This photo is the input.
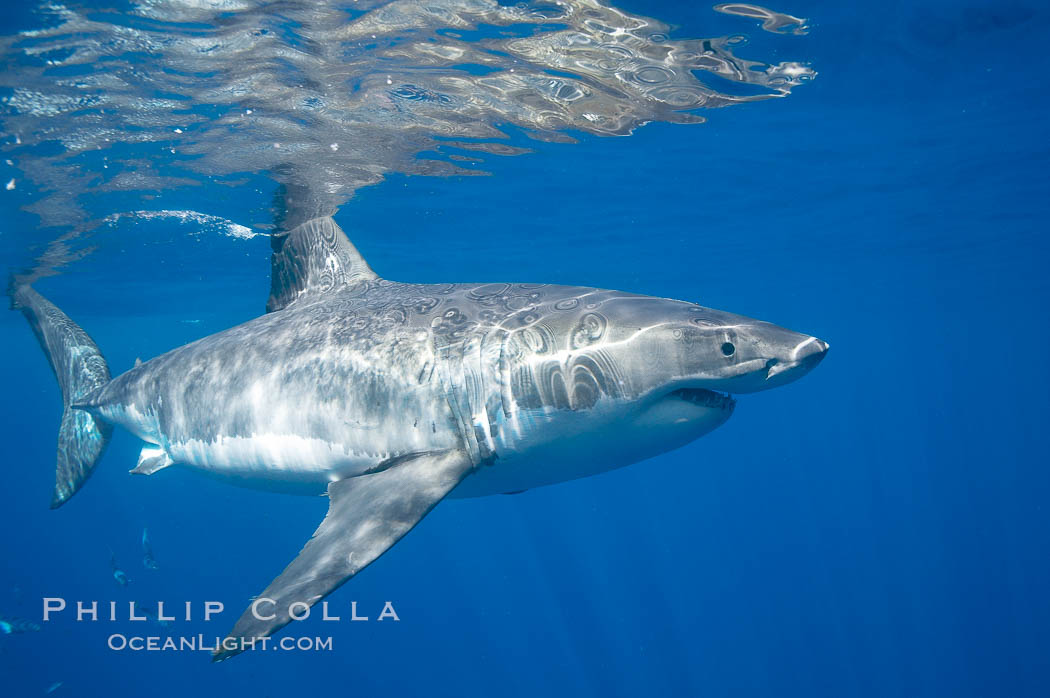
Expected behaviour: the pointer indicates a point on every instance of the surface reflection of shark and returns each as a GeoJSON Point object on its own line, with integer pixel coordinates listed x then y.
{"type": "Point", "coordinates": [351, 92]}
{"type": "Point", "coordinates": [391, 396]}
{"type": "Point", "coordinates": [148, 560]}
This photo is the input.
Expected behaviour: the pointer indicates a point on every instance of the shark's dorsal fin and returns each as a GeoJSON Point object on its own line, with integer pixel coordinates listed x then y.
{"type": "Point", "coordinates": [310, 260]}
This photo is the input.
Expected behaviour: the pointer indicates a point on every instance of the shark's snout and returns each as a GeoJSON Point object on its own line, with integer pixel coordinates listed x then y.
{"type": "Point", "coordinates": [799, 361]}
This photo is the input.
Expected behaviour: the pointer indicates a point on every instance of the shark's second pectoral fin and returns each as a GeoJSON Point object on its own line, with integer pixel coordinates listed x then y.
{"type": "Point", "coordinates": [366, 516]}
{"type": "Point", "coordinates": [152, 459]}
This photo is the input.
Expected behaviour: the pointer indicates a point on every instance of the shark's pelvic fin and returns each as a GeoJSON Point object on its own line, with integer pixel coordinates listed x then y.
{"type": "Point", "coordinates": [366, 516]}
{"type": "Point", "coordinates": [152, 459]}
{"type": "Point", "coordinates": [80, 370]}
{"type": "Point", "coordinates": [310, 260]}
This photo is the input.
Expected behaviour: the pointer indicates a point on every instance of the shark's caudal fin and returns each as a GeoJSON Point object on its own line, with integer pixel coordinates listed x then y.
{"type": "Point", "coordinates": [310, 260]}
{"type": "Point", "coordinates": [366, 515]}
{"type": "Point", "coordinates": [80, 370]}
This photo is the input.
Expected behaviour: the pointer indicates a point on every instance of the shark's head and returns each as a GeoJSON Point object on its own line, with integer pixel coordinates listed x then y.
{"type": "Point", "coordinates": [675, 349]}
{"type": "Point", "coordinates": [652, 374]}
{"type": "Point", "coordinates": [700, 348]}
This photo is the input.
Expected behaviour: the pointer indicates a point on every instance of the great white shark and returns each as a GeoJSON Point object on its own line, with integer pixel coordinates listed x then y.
{"type": "Point", "coordinates": [390, 396]}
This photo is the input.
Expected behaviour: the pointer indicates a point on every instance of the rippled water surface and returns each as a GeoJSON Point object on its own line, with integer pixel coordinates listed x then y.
{"type": "Point", "coordinates": [874, 174]}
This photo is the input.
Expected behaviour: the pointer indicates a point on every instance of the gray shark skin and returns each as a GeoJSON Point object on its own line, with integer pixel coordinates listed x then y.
{"type": "Point", "coordinates": [392, 396]}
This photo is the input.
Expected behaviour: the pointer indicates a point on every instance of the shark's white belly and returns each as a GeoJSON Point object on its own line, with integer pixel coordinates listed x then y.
{"type": "Point", "coordinates": [544, 446]}
{"type": "Point", "coordinates": [276, 457]}
{"type": "Point", "coordinates": [295, 447]}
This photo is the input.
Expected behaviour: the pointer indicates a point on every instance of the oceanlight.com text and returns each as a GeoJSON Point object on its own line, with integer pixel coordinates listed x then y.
{"type": "Point", "coordinates": [199, 643]}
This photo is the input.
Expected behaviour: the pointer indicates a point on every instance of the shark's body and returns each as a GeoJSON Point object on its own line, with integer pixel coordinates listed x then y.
{"type": "Point", "coordinates": [391, 396]}
{"type": "Point", "coordinates": [377, 371]}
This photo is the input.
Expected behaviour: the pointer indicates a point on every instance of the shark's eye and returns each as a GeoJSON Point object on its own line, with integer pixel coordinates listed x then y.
{"type": "Point", "coordinates": [728, 349]}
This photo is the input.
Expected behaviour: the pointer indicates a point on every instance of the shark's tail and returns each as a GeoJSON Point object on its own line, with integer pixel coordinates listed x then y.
{"type": "Point", "coordinates": [80, 370]}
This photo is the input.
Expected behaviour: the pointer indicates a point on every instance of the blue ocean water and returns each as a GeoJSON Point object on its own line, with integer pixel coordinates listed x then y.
{"type": "Point", "coordinates": [878, 528]}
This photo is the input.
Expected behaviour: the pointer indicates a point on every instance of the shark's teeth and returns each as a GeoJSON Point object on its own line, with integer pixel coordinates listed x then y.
{"type": "Point", "coordinates": [706, 398]}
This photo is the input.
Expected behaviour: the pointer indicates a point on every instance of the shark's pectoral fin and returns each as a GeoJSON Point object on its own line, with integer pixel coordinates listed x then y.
{"type": "Point", "coordinates": [366, 516]}
{"type": "Point", "coordinates": [151, 459]}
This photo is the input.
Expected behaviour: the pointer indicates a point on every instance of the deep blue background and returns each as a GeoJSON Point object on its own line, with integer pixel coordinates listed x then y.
{"type": "Point", "coordinates": [880, 528]}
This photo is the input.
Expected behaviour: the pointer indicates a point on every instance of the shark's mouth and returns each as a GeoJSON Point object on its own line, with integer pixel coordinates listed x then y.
{"type": "Point", "coordinates": [705, 398]}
